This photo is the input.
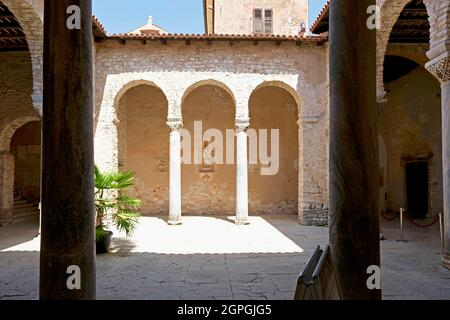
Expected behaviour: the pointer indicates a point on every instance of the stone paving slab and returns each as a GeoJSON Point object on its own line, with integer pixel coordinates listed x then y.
{"type": "Point", "coordinates": [138, 269]}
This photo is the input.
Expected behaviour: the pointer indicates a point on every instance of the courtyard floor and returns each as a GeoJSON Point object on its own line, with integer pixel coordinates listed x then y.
{"type": "Point", "coordinates": [211, 258]}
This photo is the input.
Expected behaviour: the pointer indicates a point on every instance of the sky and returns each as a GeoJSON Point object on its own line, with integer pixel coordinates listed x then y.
{"type": "Point", "coordinates": [175, 16]}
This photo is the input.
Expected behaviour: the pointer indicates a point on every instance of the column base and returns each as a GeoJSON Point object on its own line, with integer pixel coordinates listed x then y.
{"type": "Point", "coordinates": [446, 261]}
{"type": "Point", "coordinates": [243, 222]}
{"type": "Point", "coordinates": [178, 222]}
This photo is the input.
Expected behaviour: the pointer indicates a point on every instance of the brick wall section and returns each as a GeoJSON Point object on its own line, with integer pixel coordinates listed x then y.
{"type": "Point", "coordinates": [16, 85]}
{"type": "Point", "coordinates": [174, 68]}
{"type": "Point", "coordinates": [30, 15]}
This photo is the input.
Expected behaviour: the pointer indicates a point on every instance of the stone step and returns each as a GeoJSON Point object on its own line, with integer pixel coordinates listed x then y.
{"type": "Point", "coordinates": [26, 212]}
{"type": "Point", "coordinates": [19, 201]}
{"type": "Point", "coordinates": [24, 206]}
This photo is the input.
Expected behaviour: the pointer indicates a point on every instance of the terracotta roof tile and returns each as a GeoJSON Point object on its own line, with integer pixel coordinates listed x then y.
{"type": "Point", "coordinates": [217, 37]}
{"type": "Point", "coordinates": [322, 15]}
{"type": "Point", "coordinates": [98, 25]}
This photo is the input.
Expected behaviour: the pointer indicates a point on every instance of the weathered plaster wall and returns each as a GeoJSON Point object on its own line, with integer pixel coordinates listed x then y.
{"type": "Point", "coordinates": [236, 16]}
{"type": "Point", "coordinates": [410, 124]}
{"type": "Point", "coordinates": [177, 68]}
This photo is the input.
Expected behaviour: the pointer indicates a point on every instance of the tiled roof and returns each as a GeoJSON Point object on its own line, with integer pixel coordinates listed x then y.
{"type": "Point", "coordinates": [100, 32]}
{"type": "Point", "coordinates": [218, 37]}
{"type": "Point", "coordinates": [99, 29]}
{"type": "Point", "coordinates": [322, 19]}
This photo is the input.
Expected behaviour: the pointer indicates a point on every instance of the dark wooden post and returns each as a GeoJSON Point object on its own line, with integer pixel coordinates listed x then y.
{"type": "Point", "coordinates": [354, 226]}
{"type": "Point", "coordinates": [67, 160]}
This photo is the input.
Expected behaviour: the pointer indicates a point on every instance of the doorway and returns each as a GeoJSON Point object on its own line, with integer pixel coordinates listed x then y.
{"type": "Point", "coordinates": [417, 188]}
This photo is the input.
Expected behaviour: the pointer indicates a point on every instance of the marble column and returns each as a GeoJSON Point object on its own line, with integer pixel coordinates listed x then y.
{"type": "Point", "coordinates": [6, 187]}
{"type": "Point", "coordinates": [242, 173]}
{"type": "Point", "coordinates": [175, 173]}
{"type": "Point", "coordinates": [67, 258]}
{"type": "Point", "coordinates": [440, 68]}
{"type": "Point", "coordinates": [353, 186]}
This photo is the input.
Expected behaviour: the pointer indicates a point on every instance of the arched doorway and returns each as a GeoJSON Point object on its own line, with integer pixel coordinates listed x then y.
{"type": "Point", "coordinates": [143, 145]}
{"type": "Point", "coordinates": [208, 179]}
{"type": "Point", "coordinates": [25, 146]}
{"type": "Point", "coordinates": [274, 109]}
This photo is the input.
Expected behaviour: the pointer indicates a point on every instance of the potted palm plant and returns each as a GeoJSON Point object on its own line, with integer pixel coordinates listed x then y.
{"type": "Point", "coordinates": [113, 207]}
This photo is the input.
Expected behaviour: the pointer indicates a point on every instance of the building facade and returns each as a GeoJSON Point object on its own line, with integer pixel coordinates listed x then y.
{"type": "Point", "coordinates": [279, 17]}
{"type": "Point", "coordinates": [152, 86]}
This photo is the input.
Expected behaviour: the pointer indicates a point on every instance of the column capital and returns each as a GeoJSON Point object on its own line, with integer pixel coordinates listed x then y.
{"type": "Point", "coordinates": [175, 124]}
{"type": "Point", "coordinates": [242, 125]}
{"type": "Point", "coordinates": [440, 67]}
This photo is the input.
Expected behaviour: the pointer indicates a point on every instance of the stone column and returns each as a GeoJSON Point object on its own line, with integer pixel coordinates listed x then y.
{"type": "Point", "coordinates": [67, 261]}
{"type": "Point", "coordinates": [6, 187]}
{"type": "Point", "coordinates": [175, 173]}
{"type": "Point", "coordinates": [354, 226]}
{"type": "Point", "coordinates": [440, 68]}
{"type": "Point", "coordinates": [242, 173]}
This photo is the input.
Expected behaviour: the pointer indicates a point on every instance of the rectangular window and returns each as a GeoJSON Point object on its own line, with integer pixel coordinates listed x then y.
{"type": "Point", "coordinates": [268, 21]}
{"type": "Point", "coordinates": [262, 21]}
{"type": "Point", "coordinates": [258, 21]}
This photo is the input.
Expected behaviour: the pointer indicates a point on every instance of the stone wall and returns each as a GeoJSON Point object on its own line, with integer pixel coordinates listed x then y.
{"type": "Point", "coordinates": [16, 109]}
{"type": "Point", "coordinates": [410, 124]}
{"type": "Point", "coordinates": [236, 16]}
{"type": "Point", "coordinates": [178, 69]}
{"type": "Point", "coordinates": [30, 15]}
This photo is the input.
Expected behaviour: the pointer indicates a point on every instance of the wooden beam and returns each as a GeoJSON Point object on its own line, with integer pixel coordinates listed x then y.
{"type": "Point", "coordinates": [12, 36]}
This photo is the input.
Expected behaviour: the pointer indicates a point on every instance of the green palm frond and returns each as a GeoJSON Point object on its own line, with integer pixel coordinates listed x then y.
{"type": "Point", "coordinates": [111, 202]}
{"type": "Point", "coordinates": [130, 202]}
{"type": "Point", "coordinates": [126, 220]}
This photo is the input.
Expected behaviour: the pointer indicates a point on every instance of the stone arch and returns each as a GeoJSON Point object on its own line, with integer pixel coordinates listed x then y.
{"type": "Point", "coordinates": [210, 82]}
{"type": "Point", "coordinates": [106, 135]}
{"type": "Point", "coordinates": [274, 107]}
{"type": "Point", "coordinates": [282, 85]}
{"type": "Point", "coordinates": [208, 179]}
{"type": "Point", "coordinates": [30, 14]}
{"type": "Point", "coordinates": [143, 143]}
{"type": "Point", "coordinates": [8, 132]}
{"type": "Point", "coordinates": [129, 85]}
{"type": "Point", "coordinates": [390, 12]}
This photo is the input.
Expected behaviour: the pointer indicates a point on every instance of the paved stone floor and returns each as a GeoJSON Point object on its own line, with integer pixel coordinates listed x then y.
{"type": "Point", "coordinates": [211, 258]}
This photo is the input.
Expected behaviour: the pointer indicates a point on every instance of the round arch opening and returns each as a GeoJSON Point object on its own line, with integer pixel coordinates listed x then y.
{"type": "Point", "coordinates": [143, 144]}
{"type": "Point", "coordinates": [208, 143]}
{"type": "Point", "coordinates": [274, 173]}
